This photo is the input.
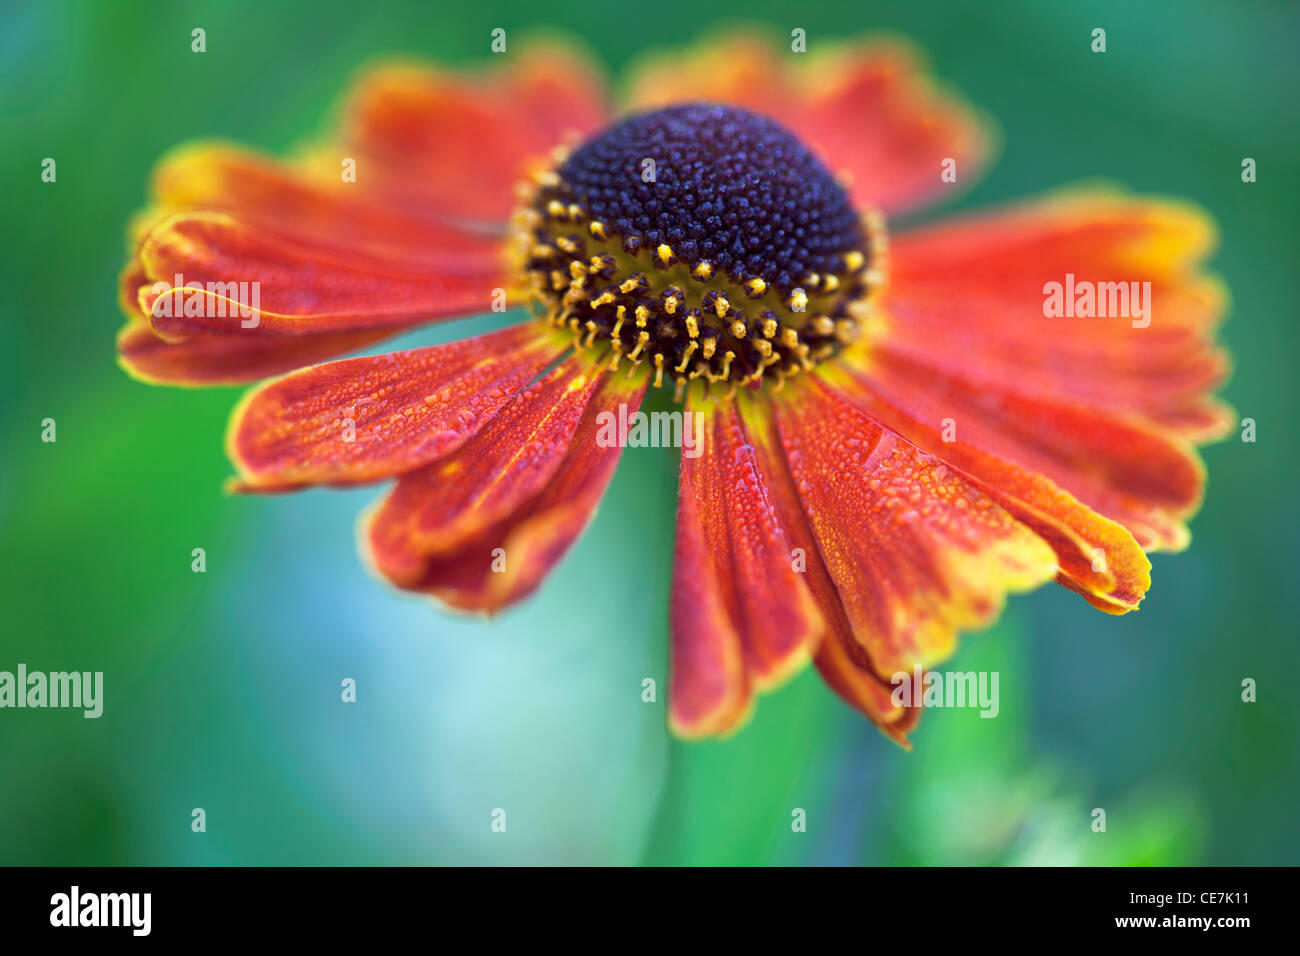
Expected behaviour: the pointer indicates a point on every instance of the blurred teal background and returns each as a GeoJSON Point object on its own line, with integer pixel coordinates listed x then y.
{"type": "Point", "coordinates": [222, 689]}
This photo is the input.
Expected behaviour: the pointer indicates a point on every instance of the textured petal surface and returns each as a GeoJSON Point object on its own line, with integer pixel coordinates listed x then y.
{"type": "Point", "coordinates": [1098, 557]}
{"type": "Point", "coordinates": [287, 288]}
{"type": "Point", "coordinates": [364, 419]}
{"type": "Point", "coordinates": [968, 297]}
{"type": "Point", "coordinates": [735, 583]}
{"type": "Point", "coordinates": [1080, 425]}
{"type": "Point", "coordinates": [710, 692]}
{"type": "Point", "coordinates": [867, 108]}
{"type": "Point", "coordinates": [435, 510]}
{"type": "Point", "coordinates": [916, 551]}
{"type": "Point", "coordinates": [480, 528]}
{"type": "Point", "coordinates": [267, 251]}
{"type": "Point", "coordinates": [840, 658]}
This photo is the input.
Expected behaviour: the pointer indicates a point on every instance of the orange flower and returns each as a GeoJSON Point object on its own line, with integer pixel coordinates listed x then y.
{"type": "Point", "coordinates": [899, 431]}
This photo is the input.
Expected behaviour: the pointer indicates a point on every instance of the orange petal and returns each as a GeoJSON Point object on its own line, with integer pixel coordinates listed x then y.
{"type": "Point", "coordinates": [129, 284]}
{"type": "Point", "coordinates": [255, 283]}
{"type": "Point", "coordinates": [867, 108]}
{"type": "Point", "coordinates": [842, 661]}
{"type": "Point", "coordinates": [846, 669]}
{"type": "Point", "coordinates": [315, 207]}
{"type": "Point", "coordinates": [457, 144]}
{"type": "Point", "coordinates": [335, 259]}
{"type": "Point", "coordinates": [219, 359]}
{"type": "Point", "coordinates": [741, 67]}
{"type": "Point", "coordinates": [735, 583]}
{"type": "Point", "coordinates": [1098, 557]}
{"type": "Point", "coordinates": [967, 298]}
{"type": "Point", "coordinates": [481, 528]}
{"type": "Point", "coordinates": [710, 691]}
{"type": "Point", "coordinates": [363, 419]}
{"type": "Point", "coordinates": [436, 509]}
{"type": "Point", "coordinates": [875, 115]}
{"type": "Point", "coordinates": [1119, 465]}
{"type": "Point", "coordinates": [330, 263]}
{"type": "Point", "coordinates": [916, 551]}
{"type": "Point", "coordinates": [1201, 421]}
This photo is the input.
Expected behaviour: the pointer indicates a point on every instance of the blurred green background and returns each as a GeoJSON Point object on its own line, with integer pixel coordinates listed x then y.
{"type": "Point", "coordinates": [222, 689]}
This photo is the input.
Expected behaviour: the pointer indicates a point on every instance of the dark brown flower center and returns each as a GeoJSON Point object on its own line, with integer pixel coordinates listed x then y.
{"type": "Point", "coordinates": [705, 240]}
